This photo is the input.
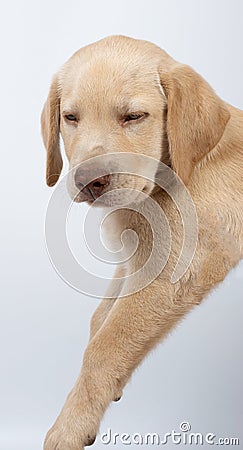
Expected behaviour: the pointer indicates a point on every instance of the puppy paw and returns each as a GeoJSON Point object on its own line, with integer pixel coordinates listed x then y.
{"type": "Point", "coordinates": [71, 431]}
{"type": "Point", "coordinates": [61, 438]}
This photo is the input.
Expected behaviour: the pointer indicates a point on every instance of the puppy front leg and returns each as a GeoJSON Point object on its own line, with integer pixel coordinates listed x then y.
{"type": "Point", "coordinates": [102, 311]}
{"type": "Point", "coordinates": [133, 326]}
{"type": "Point", "coordinates": [108, 301]}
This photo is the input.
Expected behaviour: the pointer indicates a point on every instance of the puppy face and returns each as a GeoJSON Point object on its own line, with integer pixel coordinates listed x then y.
{"type": "Point", "coordinates": [119, 97]}
{"type": "Point", "coordinates": [110, 106]}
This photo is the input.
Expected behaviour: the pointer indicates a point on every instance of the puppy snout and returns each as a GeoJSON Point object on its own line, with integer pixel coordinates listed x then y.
{"type": "Point", "coordinates": [98, 186]}
{"type": "Point", "coordinates": [90, 190]}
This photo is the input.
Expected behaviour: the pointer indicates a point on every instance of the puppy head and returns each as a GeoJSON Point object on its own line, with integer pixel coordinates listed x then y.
{"type": "Point", "coordinates": [123, 96]}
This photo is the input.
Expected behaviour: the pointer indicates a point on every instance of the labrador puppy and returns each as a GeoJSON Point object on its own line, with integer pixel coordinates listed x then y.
{"type": "Point", "coordinates": [127, 96]}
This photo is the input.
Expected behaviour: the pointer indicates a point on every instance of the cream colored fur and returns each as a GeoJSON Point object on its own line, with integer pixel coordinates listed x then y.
{"type": "Point", "coordinates": [201, 137]}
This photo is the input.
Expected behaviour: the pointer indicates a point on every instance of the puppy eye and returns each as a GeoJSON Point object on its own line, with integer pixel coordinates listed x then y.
{"type": "Point", "coordinates": [71, 118]}
{"type": "Point", "coordinates": [134, 116]}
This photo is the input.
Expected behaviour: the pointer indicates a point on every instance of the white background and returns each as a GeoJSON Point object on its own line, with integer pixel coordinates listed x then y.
{"type": "Point", "coordinates": [196, 374]}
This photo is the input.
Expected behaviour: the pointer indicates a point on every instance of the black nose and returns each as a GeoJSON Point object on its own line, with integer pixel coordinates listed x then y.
{"type": "Point", "coordinates": [90, 190]}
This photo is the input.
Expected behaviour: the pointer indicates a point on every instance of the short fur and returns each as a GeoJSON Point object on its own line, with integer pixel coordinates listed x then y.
{"type": "Point", "coordinates": [190, 128]}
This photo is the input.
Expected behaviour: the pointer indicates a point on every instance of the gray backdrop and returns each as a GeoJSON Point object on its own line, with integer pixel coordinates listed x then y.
{"type": "Point", "coordinates": [196, 374]}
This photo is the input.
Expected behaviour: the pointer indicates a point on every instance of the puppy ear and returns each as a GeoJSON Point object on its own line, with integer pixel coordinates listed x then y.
{"type": "Point", "coordinates": [50, 127]}
{"type": "Point", "coordinates": [196, 118]}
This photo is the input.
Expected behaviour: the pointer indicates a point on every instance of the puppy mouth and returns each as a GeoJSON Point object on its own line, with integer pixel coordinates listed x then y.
{"type": "Point", "coordinates": [101, 192]}
{"type": "Point", "coordinates": [77, 199]}
{"type": "Point", "coordinates": [114, 198]}
{"type": "Point", "coordinates": [84, 195]}
{"type": "Point", "coordinates": [87, 196]}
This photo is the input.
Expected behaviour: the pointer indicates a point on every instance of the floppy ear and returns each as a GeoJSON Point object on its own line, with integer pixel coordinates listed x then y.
{"type": "Point", "coordinates": [50, 127]}
{"type": "Point", "coordinates": [196, 118]}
